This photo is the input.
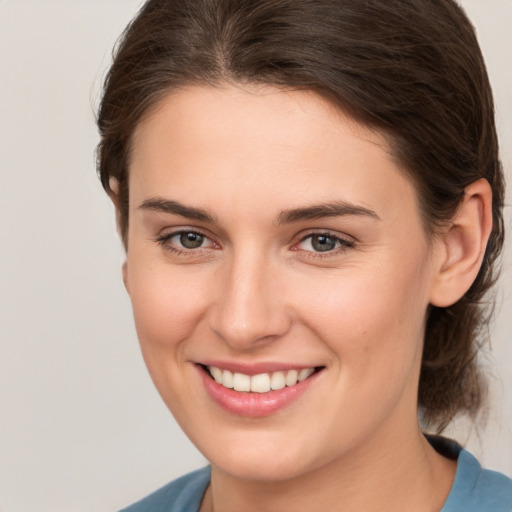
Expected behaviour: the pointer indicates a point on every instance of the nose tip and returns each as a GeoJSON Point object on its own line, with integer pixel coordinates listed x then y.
{"type": "Point", "coordinates": [245, 335]}
{"type": "Point", "coordinates": [250, 310]}
{"type": "Point", "coordinates": [246, 324]}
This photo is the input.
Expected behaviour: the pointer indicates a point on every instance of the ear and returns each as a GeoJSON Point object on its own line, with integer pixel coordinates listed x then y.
{"type": "Point", "coordinates": [114, 197]}
{"type": "Point", "coordinates": [113, 184]}
{"type": "Point", "coordinates": [124, 270]}
{"type": "Point", "coordinates": [461, 247]}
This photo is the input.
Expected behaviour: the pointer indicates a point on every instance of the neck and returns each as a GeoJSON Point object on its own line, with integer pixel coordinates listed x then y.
{"type": "Point", "coordinates": [406, 474]}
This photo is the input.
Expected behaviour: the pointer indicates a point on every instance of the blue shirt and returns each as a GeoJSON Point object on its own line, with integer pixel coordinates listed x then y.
{"type": "Point", "coordinates": [474, 489]}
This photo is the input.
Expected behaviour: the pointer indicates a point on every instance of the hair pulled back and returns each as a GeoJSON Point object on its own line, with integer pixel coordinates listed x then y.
{"type": "Point", "coordinates": [411, 69]}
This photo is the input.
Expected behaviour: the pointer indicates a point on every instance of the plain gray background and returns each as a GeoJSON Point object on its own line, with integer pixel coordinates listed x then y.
{"type": "Point", "coordinates": [81, 427]}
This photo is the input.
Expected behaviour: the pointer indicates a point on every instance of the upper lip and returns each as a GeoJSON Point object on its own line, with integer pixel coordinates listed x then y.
{"type": "Point", "coordinates": [256, 368]}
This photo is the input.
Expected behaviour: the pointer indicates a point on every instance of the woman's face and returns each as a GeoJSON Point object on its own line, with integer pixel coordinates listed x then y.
{"type": "Point", "coordinates": [272, 239]}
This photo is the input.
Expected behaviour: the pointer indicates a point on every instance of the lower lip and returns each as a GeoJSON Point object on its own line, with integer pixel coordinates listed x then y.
{"type": "Point", "coordinates": [254, 405]}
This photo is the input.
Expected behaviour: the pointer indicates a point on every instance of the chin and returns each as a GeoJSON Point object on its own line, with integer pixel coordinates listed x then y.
{"type": "Point", "coordinates": [267, 468]}
{"type": "Point", "coordinates": [261, 456]}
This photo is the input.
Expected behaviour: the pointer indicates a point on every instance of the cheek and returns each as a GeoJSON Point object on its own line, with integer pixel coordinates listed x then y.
{"type": "Point", "coordinates": [373, 324]}
{"type": "Point", "coordinates": [167, 302]}
{"type": "Point", "coordinates": [372, 313]}
{"type": "Point", "coordinates": [167, 309]}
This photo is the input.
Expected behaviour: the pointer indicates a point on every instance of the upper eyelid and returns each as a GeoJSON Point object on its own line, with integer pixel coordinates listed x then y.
{"type": "Point", "coordinates": [169, 233]}
{"type": "Point", "coordinates": [164, 243]}
{"type": "Point", "coordinates": [327, 232]}
{"type": "Point", "coordinates": [342, 241]}
{"type": "Point", "coordinates": [343, 245]}
{"type": "Point", "coordinates": [167, 236]}
{"type": "Point", "coordinates": [337, 252]}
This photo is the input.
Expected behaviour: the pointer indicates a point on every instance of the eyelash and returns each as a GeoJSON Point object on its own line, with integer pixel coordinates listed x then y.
{"type": "Point", "coordinates": [343, 245]}
{"type": "Point", "coordinates": [164, 240]}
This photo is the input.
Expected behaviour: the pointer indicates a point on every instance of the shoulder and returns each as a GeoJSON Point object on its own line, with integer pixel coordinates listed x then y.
{"type": "Point", "coordinates": [181, 495]}
{"type": "Point", "coordinates": [477, 489]}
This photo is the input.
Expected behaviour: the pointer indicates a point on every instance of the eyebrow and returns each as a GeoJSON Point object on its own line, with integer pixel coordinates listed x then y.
{"type": "Point", "coordinates": [159, 204]}
{"type": "Point", "coordinates": [321, 211]}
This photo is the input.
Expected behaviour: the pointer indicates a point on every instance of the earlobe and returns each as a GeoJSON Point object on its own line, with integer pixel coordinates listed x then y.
{"type": "Point", "coordinates": [113, 184]}
{"type": "Point", "coordinates": [461, 247]}
{"type": "Point", "coordinates": [113, 192]}
{"type": "Point", "coordinates": [124, 270]}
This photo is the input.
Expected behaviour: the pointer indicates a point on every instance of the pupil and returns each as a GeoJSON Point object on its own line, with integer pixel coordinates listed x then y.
{"type": "Point", "coordinates": [323, 243]}
{"type": "Point", "coordinates": [191, 240]}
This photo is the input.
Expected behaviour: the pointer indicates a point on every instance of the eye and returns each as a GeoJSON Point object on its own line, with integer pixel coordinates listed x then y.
{"type": "Point", "coordinates": [190, 240]}
{"type": "Point", "coordinates": [185, 241]}
{"type": "Point", "coordinates": [323, 243]}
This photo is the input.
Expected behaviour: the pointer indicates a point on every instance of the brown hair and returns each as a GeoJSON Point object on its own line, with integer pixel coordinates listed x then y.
{"type": "Point", "coordinates": [411, 69]}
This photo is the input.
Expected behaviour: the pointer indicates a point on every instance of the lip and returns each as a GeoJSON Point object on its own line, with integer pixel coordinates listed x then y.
{"type": "Point", "coordinates": [254, 368]}
{"type": "Point", "coordinates": [254, 405]}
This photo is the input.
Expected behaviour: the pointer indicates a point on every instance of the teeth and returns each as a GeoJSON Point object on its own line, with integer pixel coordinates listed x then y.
{"type": "Point", "coordinates": [305, 373]}
{"type": "Point", "coordinates": [261, 383]}
{"type": "Point", "coordinates": [291, 377]}
{"type": "Point", "coordinates": [241, 382]}
{"type": "Point", "coordinates": [277, 381]}
{"type": "Point", "coordinates": [216, 374]}
{"type": "Point", "coordinates": [227, 379]}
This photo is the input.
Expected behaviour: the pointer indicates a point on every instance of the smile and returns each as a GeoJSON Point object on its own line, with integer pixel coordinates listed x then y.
{"type": "Point", "coordinates": [260, 383]}
{"type": "Point", "coordinates": [251, 391]}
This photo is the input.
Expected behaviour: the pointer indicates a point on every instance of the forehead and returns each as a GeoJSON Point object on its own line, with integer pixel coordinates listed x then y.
{"type": "Point", "coordinates": [262, 112]}
{"type": "Point", "coordinates": [274, 144]}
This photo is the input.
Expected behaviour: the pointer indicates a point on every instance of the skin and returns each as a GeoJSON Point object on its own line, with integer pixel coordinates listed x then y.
{"type": "Point", "coordinates": [256, 290]}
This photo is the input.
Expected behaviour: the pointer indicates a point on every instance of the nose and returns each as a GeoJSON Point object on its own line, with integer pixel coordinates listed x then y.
{"type": "Point", "coordinates": [250, 309]}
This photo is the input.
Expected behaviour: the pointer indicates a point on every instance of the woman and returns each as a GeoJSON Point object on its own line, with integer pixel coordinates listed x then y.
{"type": "Point", "coordinates": [310, 194]}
